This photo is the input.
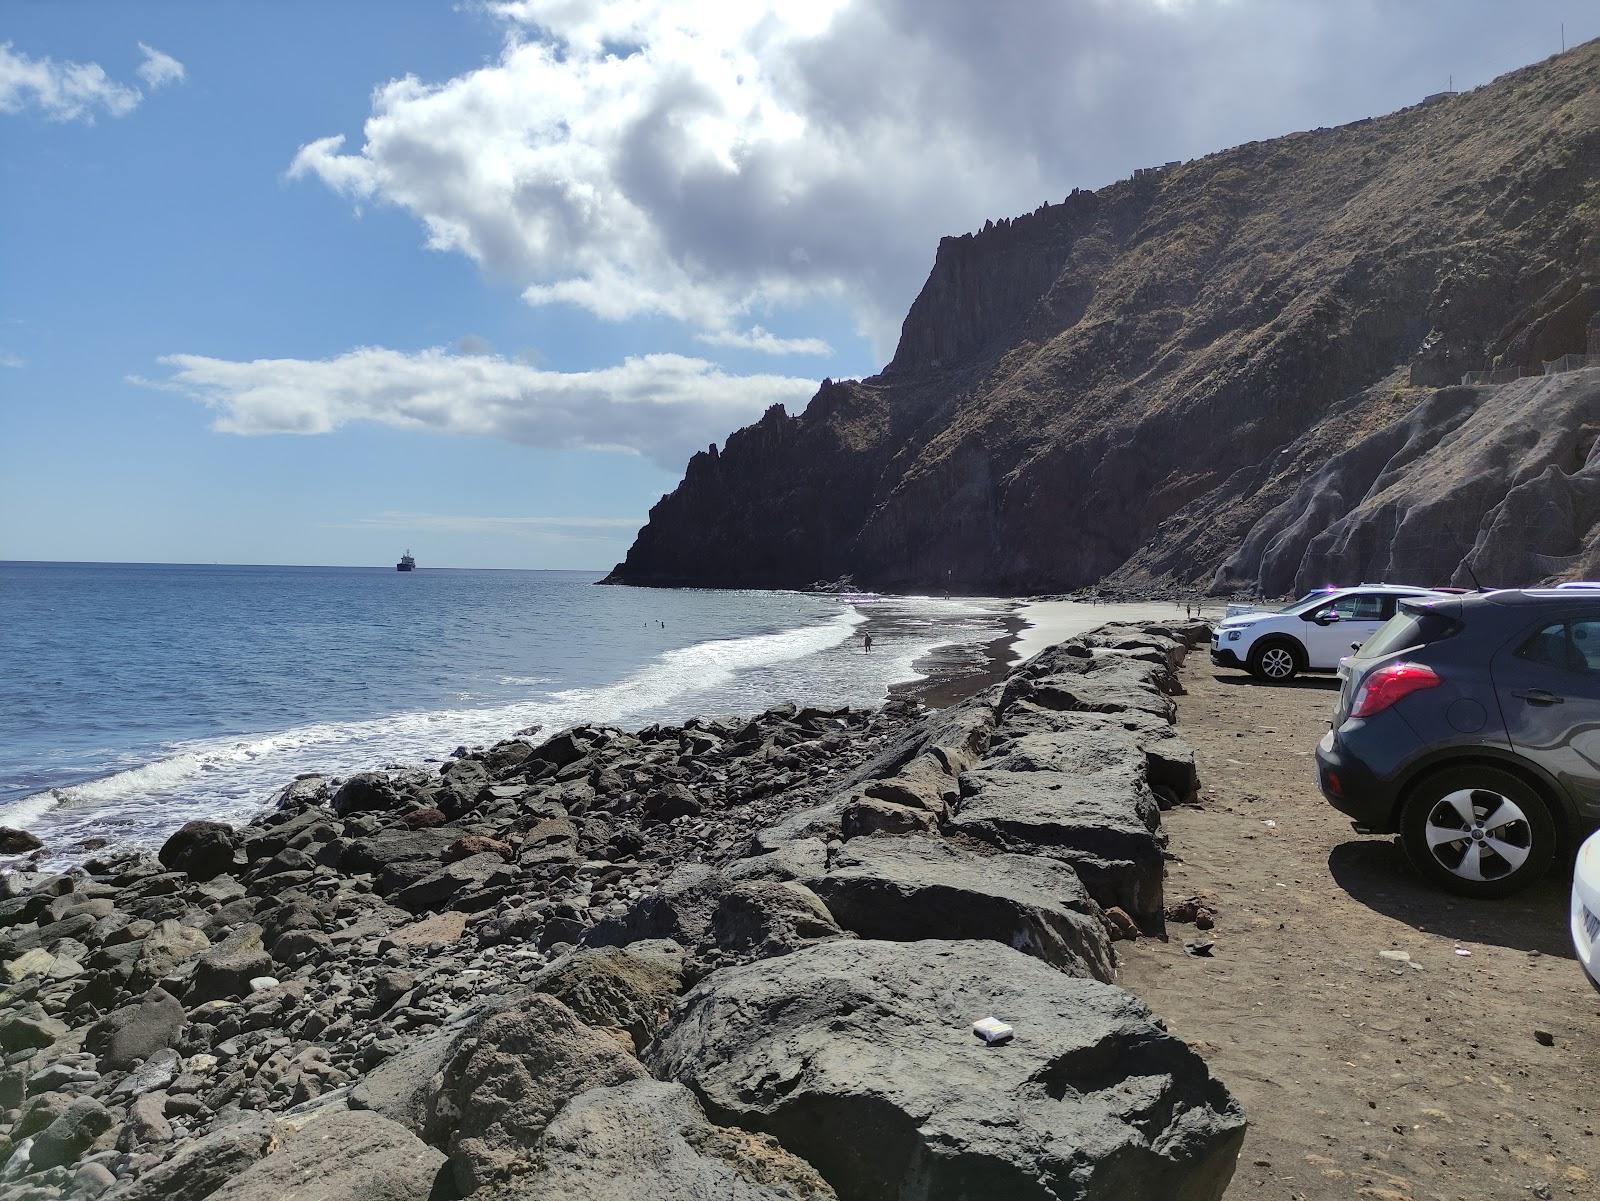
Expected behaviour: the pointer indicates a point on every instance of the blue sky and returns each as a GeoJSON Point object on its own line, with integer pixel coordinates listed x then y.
{"type": "Point", "coordinates": [490, 324]}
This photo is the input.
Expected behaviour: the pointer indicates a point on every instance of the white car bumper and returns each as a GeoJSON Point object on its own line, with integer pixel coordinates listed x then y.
{"type": "Point", "coordinates": [1586, 908]}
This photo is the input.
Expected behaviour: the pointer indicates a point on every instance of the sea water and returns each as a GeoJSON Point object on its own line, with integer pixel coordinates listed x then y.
{"type": "Point", "coordinates": [136, 697]}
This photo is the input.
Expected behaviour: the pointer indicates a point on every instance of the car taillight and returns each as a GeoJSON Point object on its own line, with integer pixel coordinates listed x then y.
{"type": "Point", "coordinates": [1390, 683]}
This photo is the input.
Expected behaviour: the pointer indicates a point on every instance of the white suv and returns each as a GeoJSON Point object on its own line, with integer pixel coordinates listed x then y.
{"type": "Point", "coordinates": [1312, 634]}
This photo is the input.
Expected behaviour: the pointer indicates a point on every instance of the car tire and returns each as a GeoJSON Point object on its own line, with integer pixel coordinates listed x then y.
{"type": "Point", "coordinates": [1275, 660]}
{"type": "Point", "coordinates": [1506, 844]}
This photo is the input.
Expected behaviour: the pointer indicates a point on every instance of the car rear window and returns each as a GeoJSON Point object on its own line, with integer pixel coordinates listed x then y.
{"type": "Point", "coordinates": [1408, 628]}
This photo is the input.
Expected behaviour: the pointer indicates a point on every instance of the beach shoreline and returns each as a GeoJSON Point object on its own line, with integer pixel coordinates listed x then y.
{"type": "Point", "coordinates": [343, 960]}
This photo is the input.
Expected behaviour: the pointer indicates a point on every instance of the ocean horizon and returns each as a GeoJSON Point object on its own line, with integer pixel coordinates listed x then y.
{"type": "Point", "coordinates": [145, 695]}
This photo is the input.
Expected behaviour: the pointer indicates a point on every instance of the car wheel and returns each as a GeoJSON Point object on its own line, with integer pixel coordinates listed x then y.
{"type": "Point", "coordinates": [1478, 831]}
{"type": "Point", "coordinates": [1274, 662]}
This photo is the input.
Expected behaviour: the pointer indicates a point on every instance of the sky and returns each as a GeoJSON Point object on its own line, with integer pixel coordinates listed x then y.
{"type": "Point", "coordinates": [316, 283]}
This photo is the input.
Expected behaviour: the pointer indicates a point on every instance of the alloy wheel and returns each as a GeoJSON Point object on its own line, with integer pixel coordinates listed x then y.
{"type": "Point", "coordinates": [1478, 834]}
{"type": "Point", "coordinates": [1277, 663]}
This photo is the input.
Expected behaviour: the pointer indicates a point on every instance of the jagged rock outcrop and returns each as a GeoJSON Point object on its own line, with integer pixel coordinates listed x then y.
{"type": "Point", "coordinates": [1126, 385]}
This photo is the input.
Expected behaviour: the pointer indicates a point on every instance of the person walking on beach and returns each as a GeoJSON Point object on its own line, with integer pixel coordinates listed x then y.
{"type": "Point", "coordinates": [866, 644]}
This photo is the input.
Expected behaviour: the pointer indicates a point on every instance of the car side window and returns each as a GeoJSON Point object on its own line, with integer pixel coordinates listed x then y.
{"type": "Point", "coordinates": [1549, 646]}
{"type": "Point", "coordinates": [1585, 645]}
{"type": "Point", "coordinates": [1362, 606]}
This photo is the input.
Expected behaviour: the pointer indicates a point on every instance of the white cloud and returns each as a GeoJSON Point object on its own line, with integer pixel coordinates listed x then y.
{"type": "Point", "coordinates": [664, 406]}
{"type": "Point", "coordinates": [12, 360]}
{"type": "Point", "coordinates": [65, 91]}
{"type": "Point", "coordinates": [158, 69]}
{"type": "Point", "coordinates": [715, 162]}
{"type": "Point", "coordinates": [765, 341]}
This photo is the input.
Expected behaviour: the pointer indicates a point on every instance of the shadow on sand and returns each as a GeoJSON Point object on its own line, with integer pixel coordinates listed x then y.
{"type": "Point", "coordinates": [1324, 683]}
{"type": "Point", "coordinates": [1376, 873]}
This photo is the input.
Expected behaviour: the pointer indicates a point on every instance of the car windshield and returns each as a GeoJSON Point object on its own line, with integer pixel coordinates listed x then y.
{"type": "Point", "coordinates": [1310, 599]}
{"type": "Point", "coordinates": [1407, 629]}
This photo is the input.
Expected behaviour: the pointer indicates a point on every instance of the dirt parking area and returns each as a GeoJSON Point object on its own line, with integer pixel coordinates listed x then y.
{"type": "Point", "coordinates": [1423, 1073]}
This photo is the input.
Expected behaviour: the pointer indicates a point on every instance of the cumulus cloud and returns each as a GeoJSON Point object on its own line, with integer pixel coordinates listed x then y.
{"type": "Point", "coordinates": [64, 91]}
{"type": "Point", "coordinates": [712, 162]}
{"type": "Point", "coordinates": [663, 406]}
{"type": "Point", "coordinates": [759, 339]}
{"type": "Point", "coordinates": [158, 69]}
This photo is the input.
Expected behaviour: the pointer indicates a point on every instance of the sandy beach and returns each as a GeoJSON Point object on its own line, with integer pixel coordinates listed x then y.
{"type": "Point", "coordinates": [1047, 622]}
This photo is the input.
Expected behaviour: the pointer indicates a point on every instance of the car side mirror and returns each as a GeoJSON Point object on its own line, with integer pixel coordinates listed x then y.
{"type": "Point", "coordinates": [1325, 618]}
{"type": "Point", "coordinates": [1355, 646]}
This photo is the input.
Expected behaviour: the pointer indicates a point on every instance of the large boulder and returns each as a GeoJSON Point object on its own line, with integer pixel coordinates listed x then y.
{"type": "Point", "coordinates": [200, 849]}
{"type": "Point", "coordinates": [1168, 759]}
{"type": "Point", "coordinates": [513, 1075]}
{"type": "Point", "coordinates": [17, 842]}
{"type": "Point", "coordinates": [921, 784]}
{"type": "Point", "coordinates": [1099, 682]}
{"type": "Point", "coordinates": [1101, 824]}
{"type": "Point", "coordinates": [649, 1139]}
{"type": "Point", "coordinates": [622, 988]}
{"type": "Point", "coordinates": [166, 947]}
{"type": "Point", "coordinates": [714, 915]}
{"type": "Point", "coordinates": [367, 792]}
{"type": "Point", "coordinates": [227, 968]}
{"type": "Point", "coordinates": [398, 857]}
{"type": "Point", "coordinates": [439, 887]}
{"type": "Point", "coordinates": [341, 1156]}
{"type": "Point", "coordinates": [203, 1166]}
{"type": "Point", "coordinates": [68, 1137]}
{"type": "Point", "coordinates": [408, 1087]}
{"type": "Point", "coordinates": [906, 889]}
{"type": "Point", "coordinates": [135, 1032]}
{"type": "Point", "coordinates": [859, 1057]}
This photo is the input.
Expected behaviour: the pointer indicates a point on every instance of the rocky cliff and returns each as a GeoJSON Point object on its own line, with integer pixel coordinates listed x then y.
{"type": "Point", "coordinates": [1241, 371]}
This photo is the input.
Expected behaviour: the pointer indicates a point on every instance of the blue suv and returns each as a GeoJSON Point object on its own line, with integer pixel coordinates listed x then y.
{"type": "Point", "coordinates": [1470, 726]}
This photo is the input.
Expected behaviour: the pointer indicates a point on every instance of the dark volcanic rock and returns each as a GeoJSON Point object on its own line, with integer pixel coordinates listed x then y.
{"type": "Point", "coordinates": [341, 1157]}
{"type": "Point", "coordinates": [135, 1032]}
{"type": "Point", "coordinates": [227, 968]}
{"type": "Point", "coordinates": [398, 857]}
{"type": "Point", "coordinates": [628, 988]}
{"type": "Point", "coordinates": [513, 1075]}
{"type": "Point", "coordinates": [206, 1164]}
{"type": "Point", "coordinates": [859, 1057]}
{"type": "Point", "coordinates": [707, 912]}
{"type": "Point", "coordinates": [649, 1139]}
{"type": "Point", "coordinates": [367, 792]}
{"type": "Point", "coordinates": [17, 842]}
{"type": "Point", "coordinates": [907, 889]}
{"type": "Point", "coordinates": [200, 849]}
{"type": "Point", "coordinates": [65, 1140]}
{"type": "Point", "coordinates": [1100, 829]}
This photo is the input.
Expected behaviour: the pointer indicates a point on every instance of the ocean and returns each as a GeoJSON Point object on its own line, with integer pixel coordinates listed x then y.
{"type": "Point", "coordinates": [135, 697]}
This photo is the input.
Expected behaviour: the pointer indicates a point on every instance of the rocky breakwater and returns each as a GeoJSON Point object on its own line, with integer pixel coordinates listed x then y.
{"type": "Point", "coordinates": [733, 958]}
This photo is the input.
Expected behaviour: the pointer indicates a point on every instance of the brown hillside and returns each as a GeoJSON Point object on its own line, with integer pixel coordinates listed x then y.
{"type": "Point", "coordinates": [1155, 381]}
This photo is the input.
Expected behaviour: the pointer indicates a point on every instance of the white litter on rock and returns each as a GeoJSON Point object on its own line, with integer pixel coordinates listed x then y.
{"type": "Point", "coordinates": [992, 1030]}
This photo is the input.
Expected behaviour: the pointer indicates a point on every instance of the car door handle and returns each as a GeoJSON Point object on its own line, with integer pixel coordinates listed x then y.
{"type": "Point", "coordinates": [1538, 696]}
